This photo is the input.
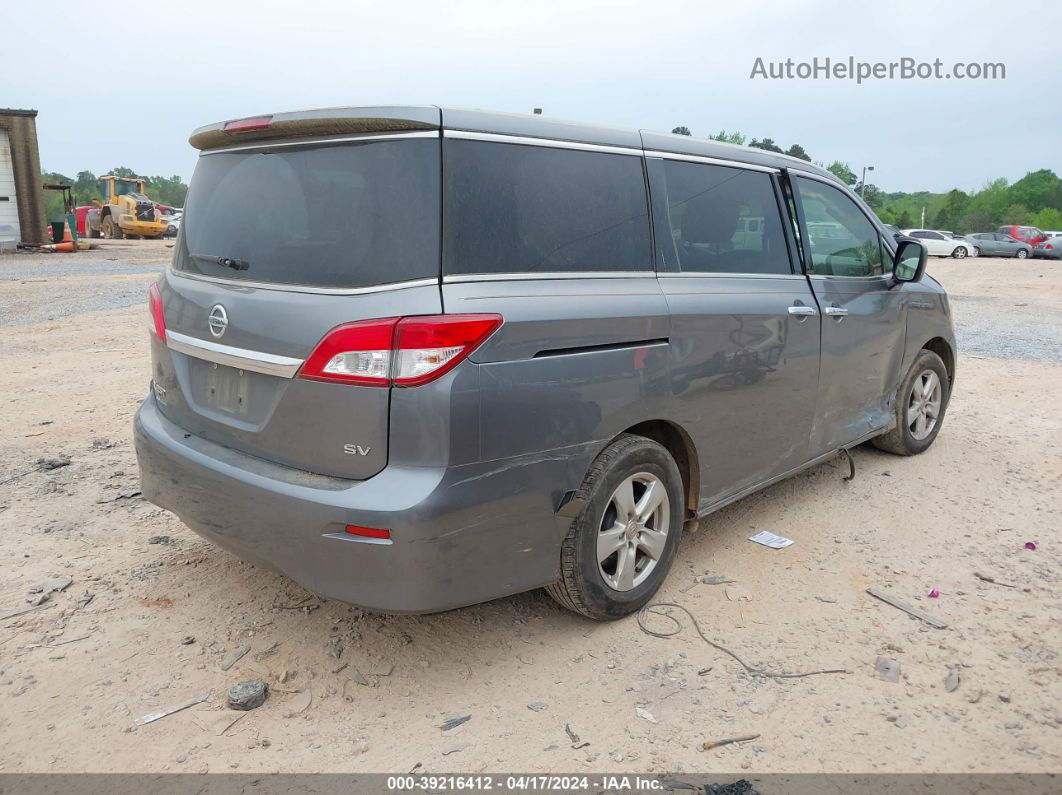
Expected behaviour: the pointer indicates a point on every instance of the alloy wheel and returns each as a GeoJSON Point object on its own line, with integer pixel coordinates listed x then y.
{"type": "Point", "coordinates": [633, 532]}
{"type": "Point", "coordinates": [923, 404]}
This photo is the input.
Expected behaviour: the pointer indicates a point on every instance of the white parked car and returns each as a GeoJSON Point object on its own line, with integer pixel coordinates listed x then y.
{"type": "Point", "coordinates": [173, 223]}
{"type": "Point", "coordinates": [942, 244]}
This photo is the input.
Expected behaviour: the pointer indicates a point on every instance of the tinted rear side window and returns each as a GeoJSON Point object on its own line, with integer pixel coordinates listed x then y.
{"type": "Point", "coordinates": [514, 208]}
{"type": "Point", "coordinates": [339, 216]}
{"type": "Point", "coordinates": [724, 220]}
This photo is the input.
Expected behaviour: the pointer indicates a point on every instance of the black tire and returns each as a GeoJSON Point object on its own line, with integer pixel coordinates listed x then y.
{"type": "Point", "coordinates": [900, 440]}
{"type": "Point", "coordinates": [582, 588]}
{"type": "Point", "coordinates": [1021, 253]}
{"type": "Point", "coordinates": [110, 229]}
{"type": "Point", "coordinates": [977, 251]}
{"type": "Point", "coordinates": [960, 252]}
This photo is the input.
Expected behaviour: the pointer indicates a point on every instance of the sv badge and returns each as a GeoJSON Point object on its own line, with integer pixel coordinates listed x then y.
{"type": "Point", "coordinates": [356, 449]}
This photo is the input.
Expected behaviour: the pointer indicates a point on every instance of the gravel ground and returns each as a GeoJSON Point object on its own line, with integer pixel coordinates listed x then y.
{"type": "Point", "coordinates": [35, 288]}
{"type": "Point", "coordinates": [155, 616]}
{"type": "Point", "coordinates": [1005, 308]}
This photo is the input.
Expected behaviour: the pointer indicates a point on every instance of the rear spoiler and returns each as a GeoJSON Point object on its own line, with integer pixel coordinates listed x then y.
{"type": "Point", "coordinates": [316, 123]}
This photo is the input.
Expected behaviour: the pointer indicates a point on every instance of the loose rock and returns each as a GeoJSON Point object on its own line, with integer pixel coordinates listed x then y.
{"type": "Point", "coordinates": [249, 694]}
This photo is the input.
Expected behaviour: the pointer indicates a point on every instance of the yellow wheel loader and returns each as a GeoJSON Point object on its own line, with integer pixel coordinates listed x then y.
{"type": "Point", "coordinates": [126, 211]}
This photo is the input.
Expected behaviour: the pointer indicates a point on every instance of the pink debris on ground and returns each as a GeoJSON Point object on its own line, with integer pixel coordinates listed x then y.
{"type": "Point", "coordinates": [1030, 545]}
{"type": "Point", "coordinates": [933, 593]}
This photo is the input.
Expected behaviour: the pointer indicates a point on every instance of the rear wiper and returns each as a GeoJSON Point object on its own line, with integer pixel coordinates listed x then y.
{"type": "Point", "coordinates": [225, 262]}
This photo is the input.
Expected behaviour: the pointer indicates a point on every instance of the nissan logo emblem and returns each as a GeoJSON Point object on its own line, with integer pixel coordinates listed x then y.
{"type": "Point", "coordinates": [218, 320]}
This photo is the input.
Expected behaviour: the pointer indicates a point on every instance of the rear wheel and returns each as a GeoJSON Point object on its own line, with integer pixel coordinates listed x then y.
{"type": "Point", "coordinates": [921, 402]}
{"type": "Point", "coordinates": [960, 252]}
{"type": "Point", "coordinates": [1021, 253]}
{"type": "Point", "coordinates": [619, 549]}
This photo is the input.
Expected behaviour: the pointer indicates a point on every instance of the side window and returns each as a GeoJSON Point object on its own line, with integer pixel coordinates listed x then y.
{"type": "Point", "coordinates": [724, 220]}
{"type": "Point", "coordinates": [920, 235]}
{"type": "Point", "coordinates": [842, 241]}
{"type": "Point", "coordinates": [514, 208]}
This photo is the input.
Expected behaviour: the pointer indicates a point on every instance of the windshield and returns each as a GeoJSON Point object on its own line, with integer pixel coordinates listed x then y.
{"type": "Point", "coordinates": [336, 216]}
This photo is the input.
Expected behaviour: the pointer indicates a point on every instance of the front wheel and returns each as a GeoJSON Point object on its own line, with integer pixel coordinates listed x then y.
{"type": "Point", "coordinates": [1021, 253]}
{"type": "Point", "coordinates": [977, 251]}
{"type": "Point", "coordinates": [619, 549]}
{"type": "Point", "coordinates": [921, 402]}
{"type": "Point", "coordinates": [960, 252]}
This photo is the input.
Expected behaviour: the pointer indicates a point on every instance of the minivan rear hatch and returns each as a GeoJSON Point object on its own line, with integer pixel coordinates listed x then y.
{"type": "Point", "coordinates": [283, 240]}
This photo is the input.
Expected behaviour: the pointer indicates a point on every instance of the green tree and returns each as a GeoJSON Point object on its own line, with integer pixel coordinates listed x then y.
{"type": "Point", "coordinates": [766, 143]}
{"type": "Point", "coordinates": [1037, 189]}
{"type": "Point", "coordinates": [681, 131]}
{"type": "Point", "coordinates": [842, 172]}
{"type": "Point", "coordinates": [728, 138]}
{"type": "Point", "coordinates": [871, 195]}
{"type": "Point", "coordinates": [1016, 214]}
{"type": "Point", "coordinates": [904, 220]}
{"type": "Point", "coordinates": [1048, 218]}
{"type": "Point", "coordinates": [797, 151]}
{"type": "Point", "coordinates": [53, 199]}
{"type": "Point", "coordinates": [167, 190]}
{"type": "Point", "coordinates": [86, 188]}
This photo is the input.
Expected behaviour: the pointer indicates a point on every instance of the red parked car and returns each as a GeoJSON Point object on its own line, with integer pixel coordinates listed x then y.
{"type": "Point", "coordinates": [1026, 234]}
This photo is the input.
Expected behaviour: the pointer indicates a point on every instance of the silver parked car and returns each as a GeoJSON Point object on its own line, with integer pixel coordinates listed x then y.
{"type": "Point", "coordinates": [995, 244]}
{"type": "Point", "coordinates": [418, 358]}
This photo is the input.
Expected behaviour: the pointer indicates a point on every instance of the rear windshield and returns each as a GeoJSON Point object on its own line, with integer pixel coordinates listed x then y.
{"type": "Point", "coordinates": [334, 216]}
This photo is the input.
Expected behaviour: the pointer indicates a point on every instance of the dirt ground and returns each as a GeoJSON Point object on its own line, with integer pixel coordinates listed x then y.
{"type": "Point", "coordinates": [153, 611]}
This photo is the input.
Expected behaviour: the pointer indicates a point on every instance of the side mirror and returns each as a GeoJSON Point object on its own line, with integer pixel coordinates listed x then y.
{"type": "Point", "coordinates": [910, 261]}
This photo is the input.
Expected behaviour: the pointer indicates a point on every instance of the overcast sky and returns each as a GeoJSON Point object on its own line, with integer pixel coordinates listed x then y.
{"type": "Point", "coordinates": [129, 90]}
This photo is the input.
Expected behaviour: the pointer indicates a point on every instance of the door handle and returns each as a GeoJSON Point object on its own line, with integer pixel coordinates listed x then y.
{"type": "Point", "coordinates": [802, 311]}
{"type": "Point", "coordinates": [836, 311]}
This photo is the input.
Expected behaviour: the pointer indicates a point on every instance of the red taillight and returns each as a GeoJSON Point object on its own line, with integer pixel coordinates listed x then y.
{"type": "Point", "coordinates": [368, 532]}
{"type": "Point", "coordinates": [354, 353]}
{"type": "Point", "coordinates": [158, 319]}
{"type": "Point", "coordinates": [245, 125]}
{"type": "Point", "coordinates": [1048, 246]}
{"type": "Point", "coordinates": [397, 351]}
{"type": "Point", "coordinates": [427, 347]}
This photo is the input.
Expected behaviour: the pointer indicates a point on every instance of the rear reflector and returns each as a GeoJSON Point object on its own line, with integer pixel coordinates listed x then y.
{"type": "Point", "coordinates": [244, 125]}
{"type": "Point", "coordinates": [158, 319]}
{"type": "Point", "coordinates": [368, 532]}
{"type": "Point", "coordinates": [397, 351]}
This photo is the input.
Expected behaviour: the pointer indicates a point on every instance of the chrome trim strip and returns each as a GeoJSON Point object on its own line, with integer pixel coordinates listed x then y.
{"type": "Point", "coordinates": [834, 183]}
{"type": "Point", "coordinates": [554, 143]}
{"type": "Point", "coordinates": [458, 278]}
{"type": "Point", "coordinates": [321, 139]}
{"type": "Point", "coordinates": [711, 161]}
{"type": "Point", "coordinates": [268, 363]}
{"type": "Point", "coordinates": [299, 288]}
{"type": "Point", "coordinates": [734, 275]}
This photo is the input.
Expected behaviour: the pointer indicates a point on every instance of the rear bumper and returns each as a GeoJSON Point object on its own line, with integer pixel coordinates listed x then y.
{"type": "Point", "coordinates": [460, 535]}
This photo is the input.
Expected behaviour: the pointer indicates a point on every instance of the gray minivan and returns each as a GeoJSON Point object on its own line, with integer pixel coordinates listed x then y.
{"type": "Point", "coordinates": [417, 358]}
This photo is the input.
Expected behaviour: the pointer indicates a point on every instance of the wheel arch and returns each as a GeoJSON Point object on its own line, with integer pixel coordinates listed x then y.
{"type": "Point", "coordinates": [941, 348]}
{"type": "Point", "coordinates": [677, 441]}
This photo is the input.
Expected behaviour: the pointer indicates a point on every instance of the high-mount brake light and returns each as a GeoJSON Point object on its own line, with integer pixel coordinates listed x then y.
{"type": "Point", "coordinates": [395, 351]}
{"type": "Point", "coordinates": [158, 319]}
{"type": "Point", "coordinates": [246, 125]}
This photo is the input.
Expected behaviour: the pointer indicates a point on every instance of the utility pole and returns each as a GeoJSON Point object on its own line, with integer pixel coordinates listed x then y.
{"type": "Point", "coordinates": [863, 182]}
